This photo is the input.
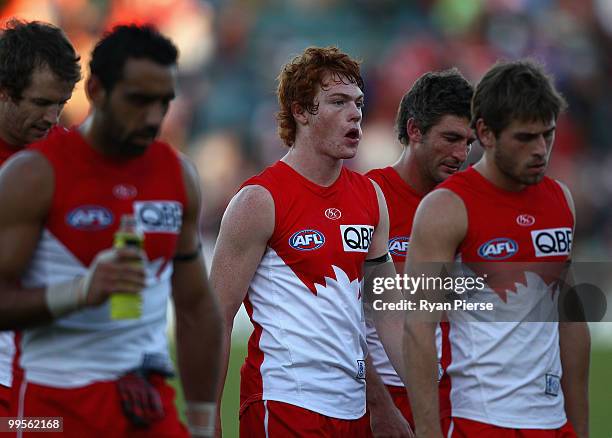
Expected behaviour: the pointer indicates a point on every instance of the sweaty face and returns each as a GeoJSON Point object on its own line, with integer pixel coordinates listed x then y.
{"type": "Point", "coordinates": [445, 147]}
{"type": "Point", "coordinates": [335, 129]}
{"type": "Point", "coordinates": [136, 106]}
{"type": "Point", "coordinates": [29, 119]}
{"type": "Point", "coordinates": [522, 151]}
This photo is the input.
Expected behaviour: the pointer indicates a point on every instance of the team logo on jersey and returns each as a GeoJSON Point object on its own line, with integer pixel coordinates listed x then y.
{"type": "Point", "coordinates": [398, 246]}
{"type": "Point", "coordinates": [525, 220]}
{"type": "Point", "coordinates": [553, 385]}
{"type": "Point", "coordinates": [333, 214]}
{"type": "Point", "coordinates": [500, 248]}
{"type": "Point", "coordinates": [307, 240]}
{"type": "Point", "coordinates": [159, 216]}
{"type": "Point", "coordinates": [361, 369]}
{"type": "Point", "coordinates": [124, 191]}
{"type": "Point", "coordinates": [552, 241]}
{"type": "Point", "coordinates": [356, 238]}
{"type": "Point", "coordinates": [90, 218]}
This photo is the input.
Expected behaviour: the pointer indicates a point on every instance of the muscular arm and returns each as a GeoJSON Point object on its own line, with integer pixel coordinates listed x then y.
{"type": "Point", "coordinates": [198, 319]}
{"type": "Point", "coordinates": [440, 224]}
{"type": "Point", "coordinates": [388, 324]}
{"type": "Point", "coordinates": [26, 191]}
{"type": "Point", "coordinates": [247, 225]}
{"type": "Point", "coordinates": [575, 350]}
{"type": "Point", "coordinates": [385, 418]}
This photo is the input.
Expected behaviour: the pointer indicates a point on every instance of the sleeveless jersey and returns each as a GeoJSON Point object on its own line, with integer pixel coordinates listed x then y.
{"type": "Point", "coordinates": [91, 193]}
{"type": "Point", "coordinates": [508, 373]}
{"type": "Point", "coordinates": [308, 345]}
{"type": "Point", "coordinates": [402, 202]}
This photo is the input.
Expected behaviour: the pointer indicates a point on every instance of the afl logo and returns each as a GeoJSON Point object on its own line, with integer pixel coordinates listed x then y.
{"type": "Point", "coordinates": [498, 249]}
{"type": "Point", "coordinates": [525, 220]}
{"type": "Point", "coordinates": [307, 240]}
{"type": "Point", "coordinates": [124, 191]}
{"type": "Point", "coordinates": [89, 218]}
{"type": "Point", "coordinates": [398, 246]}
{"type": "Point", "coordinates": [333, 214]}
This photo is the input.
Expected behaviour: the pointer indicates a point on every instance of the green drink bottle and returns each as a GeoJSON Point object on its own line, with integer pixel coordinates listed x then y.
{"type": "Point", "coordinates": [127, 305]}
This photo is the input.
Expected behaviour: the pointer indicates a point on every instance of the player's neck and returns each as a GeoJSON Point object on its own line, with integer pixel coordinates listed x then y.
{"type": "Point", "coordinates": [321, 169]}
{"type": "Point", "coordinates": [93, 133]}
{"type": "Point", "coordinates": [487, 168]}
{"type": "Point", "coordinates": [411, 173]}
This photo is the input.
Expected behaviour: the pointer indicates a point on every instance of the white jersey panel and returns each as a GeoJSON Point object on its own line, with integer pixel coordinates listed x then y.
{"type": "Point", "coordinates": [499, 368]}
{"type": "Point", "coordinates": [379, 357]}
{"type": "Point", "coordinates": [7, 352]}
{"type": "Point", "coordinates": [313, 345]}
{"type": "Point", "coordinates": [87, 346]}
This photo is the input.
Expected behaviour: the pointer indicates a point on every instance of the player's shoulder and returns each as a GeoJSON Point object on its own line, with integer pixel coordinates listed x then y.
{"type": "Point", "coordinates": [161, 150]}
{"type": "Point", "coordinates": [251, 213]}
{"type": "Point", "coordinates": [442, 205]}
{"type": "Point", "coordinates": [27, 169]}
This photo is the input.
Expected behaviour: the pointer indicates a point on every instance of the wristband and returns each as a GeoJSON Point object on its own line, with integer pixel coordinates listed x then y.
{"type": "Point", "coordinates": [65, 297]}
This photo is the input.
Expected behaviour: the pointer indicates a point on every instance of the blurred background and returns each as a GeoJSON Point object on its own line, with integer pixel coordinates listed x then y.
{"type": "Point", "coordinates": [232, 51]}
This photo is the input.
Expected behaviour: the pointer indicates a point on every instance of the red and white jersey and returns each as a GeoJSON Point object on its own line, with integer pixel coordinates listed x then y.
{"type": "Point", "coordinates": [402, 202]}
{"type": "Point", "coordinates": [508, 373]}
{"type": "Point", "coordinates": [308, 345]}
{"type": "Point", "coordinates": [7, 338]}
{"type": "Point", "coordinates": [7, 352]}
{"type": "Point", "coordinates": [91, 193]}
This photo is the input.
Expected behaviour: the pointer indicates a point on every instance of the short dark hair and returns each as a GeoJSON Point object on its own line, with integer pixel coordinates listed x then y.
{"type": "Point", "coordinates": [298, 80]}
{"type": "Point", "coordinates": [26, 46]}
{"type": "Point", "coordinates": [433, 96]}
{"type": "Point", "coordinates": [129, 41]}
{"type": "Point", "coordinates": [515, 90]}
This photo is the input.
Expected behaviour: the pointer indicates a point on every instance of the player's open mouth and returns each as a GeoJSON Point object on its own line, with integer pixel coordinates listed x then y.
{"type": "Point", "coordinates": [451, 168]}
{"type": "Point", "coordinates": [353, 134]}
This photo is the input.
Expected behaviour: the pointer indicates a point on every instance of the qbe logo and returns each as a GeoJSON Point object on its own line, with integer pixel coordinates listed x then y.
{"type": "Point", "coordinates": [500, 248]}
{"type": "Point", "coordinates": [307, 240]}
{"type": "Point", "coordinates": [90, 218]}
{"type": "Point", "coordinates": [159, 216]}
{"type": "Point", "coordinates": [356, 238]}
{"type": "Point", "coordinates": [398, 246]}
{"type": "Point", "coordinates": [552, 241]}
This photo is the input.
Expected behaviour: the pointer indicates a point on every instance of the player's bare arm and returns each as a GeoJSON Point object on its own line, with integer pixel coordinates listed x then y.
{"type": "Point", "coordinates": [379, 264]}
{"type": "Point", "coordinates": [385, 418]}
{"type": "Point", "coordinates": [575, 351]}
{"type": "Point", "coordinates": [198, 318]}
{"type": "Point", "coordinates": [26, 193]}
{"type": "Point", "coordinates": [245, 230]}
{"type": "Point", "coordinates": [440, 224]}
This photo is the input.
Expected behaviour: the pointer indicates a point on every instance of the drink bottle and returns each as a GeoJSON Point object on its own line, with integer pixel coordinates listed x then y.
{"type": "Point", "coordinates": [127, 305]}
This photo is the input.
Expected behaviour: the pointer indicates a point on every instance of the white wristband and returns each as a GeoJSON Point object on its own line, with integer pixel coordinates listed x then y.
{"type": "Point", "coordinates": [63, 298]}
{"type": "Point", "coordinates": [208, 410]}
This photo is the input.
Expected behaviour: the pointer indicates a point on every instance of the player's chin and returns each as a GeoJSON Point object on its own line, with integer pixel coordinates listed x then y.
{"type": "Point", "coordinates": [531, 178]}
{"type": "Point", "coordinates": [348, 150]}
{"type": "Point", "coordinates": [134, 149]}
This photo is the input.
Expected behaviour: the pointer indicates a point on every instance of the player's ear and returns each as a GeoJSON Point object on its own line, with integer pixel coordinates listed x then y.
{"type": "Point", "coordinates": [299, 113]}
{"type": "Point", "coordinates": [485, 135]}
{"type": "Point", "coordinates": [4, 95]}
{"type": "Point", "coordinates": [95, 90]}
{"type": "Point", "coordinates": [413, 131]}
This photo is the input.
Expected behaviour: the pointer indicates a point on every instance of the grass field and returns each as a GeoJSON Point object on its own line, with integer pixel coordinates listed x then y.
{"type": "Point", "coordinates": [600, 393]}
